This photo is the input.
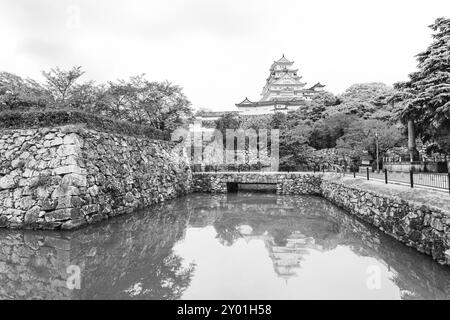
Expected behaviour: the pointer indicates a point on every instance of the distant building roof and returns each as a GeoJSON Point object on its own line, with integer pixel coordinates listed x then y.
{"type": "Point", "coordinates": [289, 102]}
{"type": "Point", "coordinates": [212, 114]}
{"type": "Point", "coordinates": [317, 85]}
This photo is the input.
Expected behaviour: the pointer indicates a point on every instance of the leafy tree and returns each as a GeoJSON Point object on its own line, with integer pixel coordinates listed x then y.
{"type": "Point", "coordinates": [256, 122]}
{"type": "Point", "coordinates": [360, 137]}
{"type": "Point", "coordinates": [158, 104]}
{"type": "Point", "coordinates": [201, 111]}
{"type": "Point", "coordinates": [365, 100]}
{"type": "Point", "coordinates": [327, 131]}
{"type": "Point", "coordinates": [278, 120]}
{"type": "Point", "coordinates": [61, 83]}
{"type": "Point", "coordinates": [18, 93]}
{"type": "Point", "coordinates": [315, 109]}
{"type": "Point", "coordinates": [166, 106]}
{"type": "Point", "coordinates": [228, 121]}
{"type": "Point", "coordinates": [425, 98]}
{"type": "Point", "coordinates": [326, 98]}
{"type": "Point", "coordinates": [294, 146]}
{"type": "Point", "coordinates": [90, 97]}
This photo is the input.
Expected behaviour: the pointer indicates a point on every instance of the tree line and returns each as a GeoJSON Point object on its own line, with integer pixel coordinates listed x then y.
{"type": "Point", "coordinates": [344, 127]}
{"type": "Point", "coordinates": [160, 105]}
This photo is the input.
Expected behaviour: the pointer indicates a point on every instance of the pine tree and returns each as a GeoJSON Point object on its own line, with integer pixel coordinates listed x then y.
{"type": "Point", "coordinates": [425, 98]}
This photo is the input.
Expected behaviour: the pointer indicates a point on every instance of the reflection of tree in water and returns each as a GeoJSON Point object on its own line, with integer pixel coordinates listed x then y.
{"type": "Point", "coordinates": [227, 232]}
{"type": "Point", "coordinates": [277, 219]}
{"type": "Point", "coordinates": [132, 257]}
{"type": "Point", "coordinates": [129, 257]}
{"type": "Point", "coordinates": [278, 227]}
{"type": "Point", "coordinates": [287, 238]}
{"type": "Point", "coordinates": [136, 260]}
{"type": "Point", "coordinates": [167, 281]}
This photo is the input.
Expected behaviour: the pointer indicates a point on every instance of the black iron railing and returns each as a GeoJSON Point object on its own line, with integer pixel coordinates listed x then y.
{"type": "Point", "coordinates": [433, 180]}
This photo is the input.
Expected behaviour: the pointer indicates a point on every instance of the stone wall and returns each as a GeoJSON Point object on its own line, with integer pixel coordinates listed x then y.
{"type": "Point", "coordinates": [286, 183]}
{"type": "Point", "coordinates": [423, 227]}
{"type": "Point", "coordinates": [406, 166]}
{"type": "Point", "coordinates": [70, 176]}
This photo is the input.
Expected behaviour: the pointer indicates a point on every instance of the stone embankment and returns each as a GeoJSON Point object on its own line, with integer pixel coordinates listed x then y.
{"type": "Point", "coordinates": [69, 176]}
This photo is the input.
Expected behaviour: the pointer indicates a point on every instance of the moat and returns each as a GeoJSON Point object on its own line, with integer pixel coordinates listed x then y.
{"type": "Point", "coordinates": [228, 246]}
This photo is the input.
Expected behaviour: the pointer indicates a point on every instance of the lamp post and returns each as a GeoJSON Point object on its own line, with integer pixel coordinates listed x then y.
{"type": "Point", "coordinates": [378, 159]}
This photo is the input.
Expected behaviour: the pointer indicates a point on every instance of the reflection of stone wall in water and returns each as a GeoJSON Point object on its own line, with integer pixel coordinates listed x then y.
{"type": "Point", "coordinates": [289, 227]}
{"type": "Point", "coordinates": [70, 176]}
{"type": "Point", "coordinates": [421, 226]}
{"type": "Point", "coordinates": [131, 257]}
{"type": "Point", "coordinates": [33, 266]}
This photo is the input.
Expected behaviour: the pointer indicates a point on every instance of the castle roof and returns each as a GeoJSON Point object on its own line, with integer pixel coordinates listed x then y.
{"type": "Point", "coordinates": [288, 102]}
{"type": "Point", "coordinates": [283, 60]}
{"type": "Point", "coordinates": [317, 85]}
{"type": "Point", "coordinates": [246, 101]}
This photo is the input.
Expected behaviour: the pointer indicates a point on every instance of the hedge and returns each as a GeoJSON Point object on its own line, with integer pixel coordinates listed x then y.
{"type": "Point", "coordinates": [52, 118]}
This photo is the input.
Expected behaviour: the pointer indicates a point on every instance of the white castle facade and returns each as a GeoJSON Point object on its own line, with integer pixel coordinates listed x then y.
{"type": "Point", "coordinates": [284, 91]}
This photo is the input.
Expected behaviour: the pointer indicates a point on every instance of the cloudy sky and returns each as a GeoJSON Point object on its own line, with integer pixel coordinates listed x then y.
{"type": "Point", "coordinates": [219, 51]}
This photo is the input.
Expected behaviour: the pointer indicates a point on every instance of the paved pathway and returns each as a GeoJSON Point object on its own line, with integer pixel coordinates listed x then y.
{"type": "Point", "coordinates": [429, 196]}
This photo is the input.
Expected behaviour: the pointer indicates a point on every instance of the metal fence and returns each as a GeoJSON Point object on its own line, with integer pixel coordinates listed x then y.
{"type": "Point", "coordinates": [434, 180]}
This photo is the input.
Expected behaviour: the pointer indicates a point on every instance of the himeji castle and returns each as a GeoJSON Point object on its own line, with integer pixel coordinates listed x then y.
{"type": "Point", "coordinates": [284, 91]}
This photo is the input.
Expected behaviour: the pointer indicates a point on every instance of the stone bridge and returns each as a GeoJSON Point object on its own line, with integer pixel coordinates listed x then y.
{"type": "Point", "coordinates": [284, 182]}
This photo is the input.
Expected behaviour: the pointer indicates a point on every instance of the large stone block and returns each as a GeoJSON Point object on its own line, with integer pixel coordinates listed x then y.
{"type": "Point", "coordinates": [74, 179]}
{"type": "Point", "coordinates": [7, 182]}
{"type": "Point", "coordinates": [69, 169]}
{"type": "Point", "coordinates": [66, 150]}
{"type": "Point", "coordinates": [65, 191]}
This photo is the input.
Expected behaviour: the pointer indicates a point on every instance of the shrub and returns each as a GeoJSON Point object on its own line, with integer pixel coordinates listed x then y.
{"type": "Point", "coordinates": [52, 117]}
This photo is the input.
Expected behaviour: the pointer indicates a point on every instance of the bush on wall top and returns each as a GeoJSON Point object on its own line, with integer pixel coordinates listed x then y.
{"type": "Point", "coordinates": [51, 118]}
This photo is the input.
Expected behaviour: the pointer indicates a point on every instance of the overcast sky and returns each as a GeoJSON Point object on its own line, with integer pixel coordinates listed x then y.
{"type": "Point", "coordinates": [219, 51]}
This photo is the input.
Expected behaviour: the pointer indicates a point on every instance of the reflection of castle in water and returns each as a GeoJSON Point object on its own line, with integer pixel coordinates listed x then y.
{"type": "Point", "coordinates": [133, 256]}
{"type": "Point", "coordinates": [287, 258]}
{"type": "Point", "coordinates": [292, 227]}
{"type": "Point", "coordinates": [289, 229]}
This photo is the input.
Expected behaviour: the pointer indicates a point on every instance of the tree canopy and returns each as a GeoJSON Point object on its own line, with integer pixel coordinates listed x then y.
{"type": "Point", "coordinates": [160, 105]}
{"type": "Point", "coordinates": [425, 97]}
{"type": "Point", "coordinates": [365, 100]}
